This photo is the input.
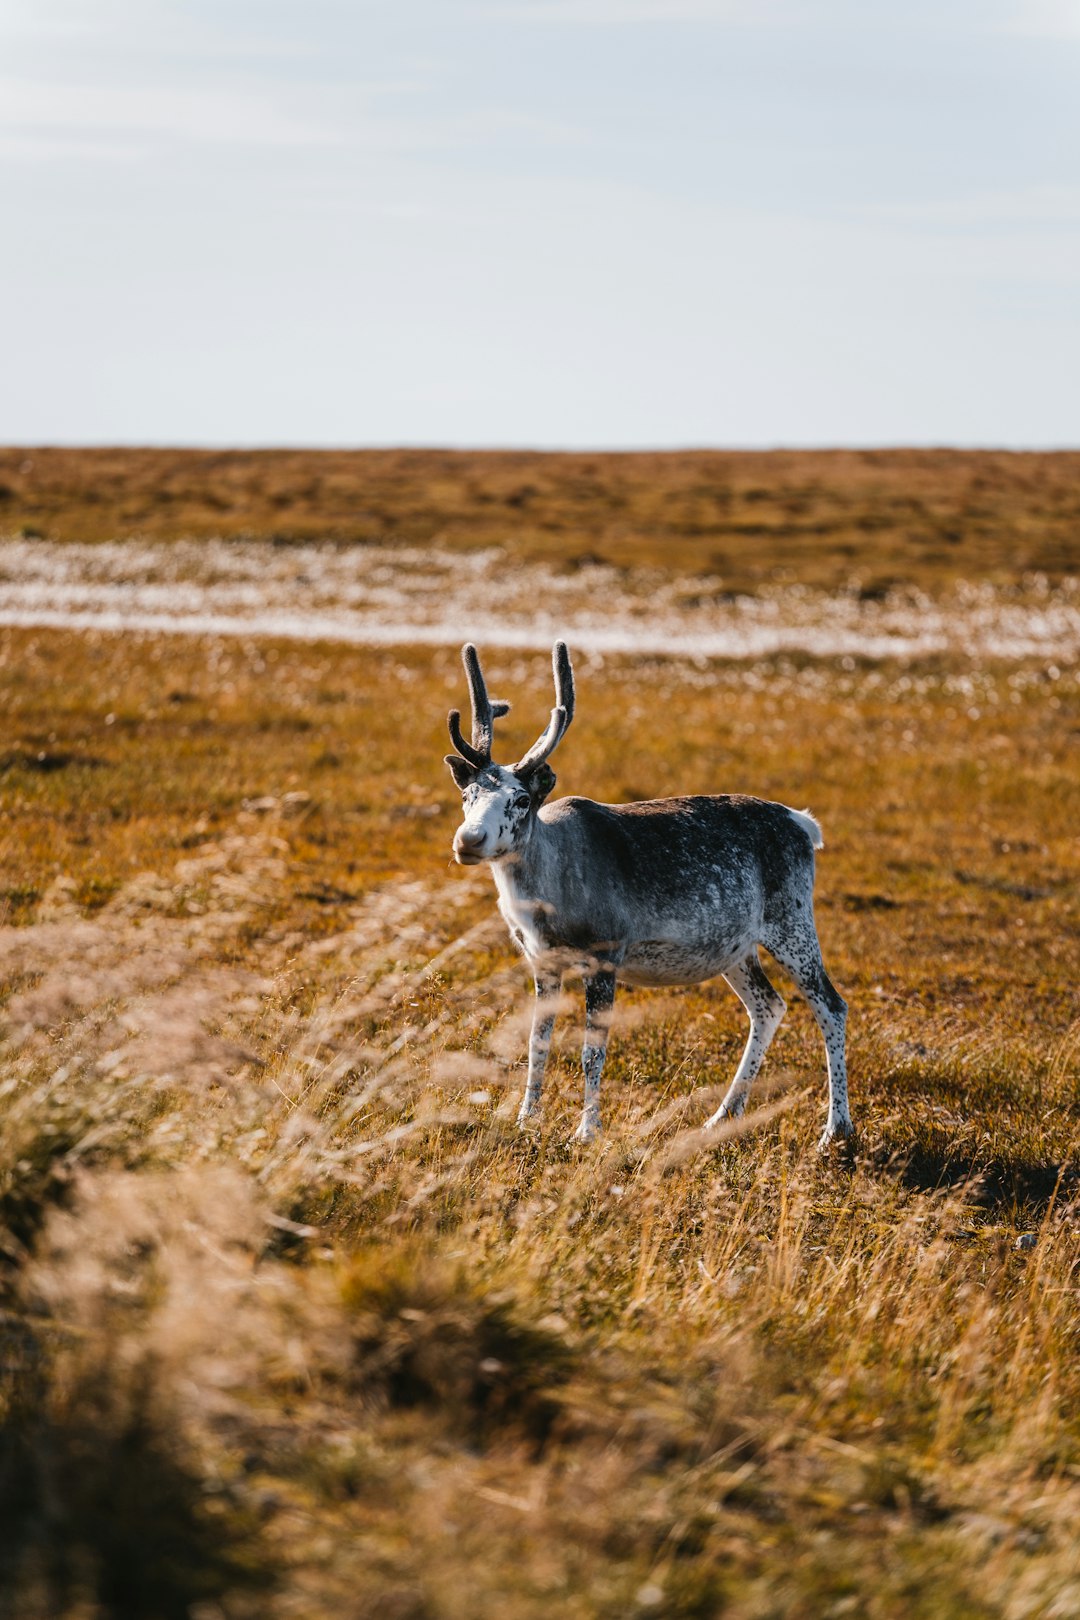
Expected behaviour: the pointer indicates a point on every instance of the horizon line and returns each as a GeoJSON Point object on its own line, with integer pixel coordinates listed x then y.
{"type": "Point", "coordinates": [884, 447]}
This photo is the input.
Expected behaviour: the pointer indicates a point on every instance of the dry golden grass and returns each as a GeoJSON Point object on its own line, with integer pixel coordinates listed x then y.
{"type": "Point", "coordinates": [297, 1324]}
{"type": "Point", "coordinates": [754, 518]}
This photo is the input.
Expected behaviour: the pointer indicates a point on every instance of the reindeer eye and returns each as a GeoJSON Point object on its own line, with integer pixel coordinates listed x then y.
{"type": "Point", "coordinates": [521, 802]}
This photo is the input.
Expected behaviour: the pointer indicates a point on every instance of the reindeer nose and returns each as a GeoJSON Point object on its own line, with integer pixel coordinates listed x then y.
{"type": "Point", "coordinates": [467, 842]}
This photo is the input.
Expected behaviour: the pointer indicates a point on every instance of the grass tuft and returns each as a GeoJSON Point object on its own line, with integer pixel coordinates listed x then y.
{"type": "Point", "coordinates": [426, 1335]}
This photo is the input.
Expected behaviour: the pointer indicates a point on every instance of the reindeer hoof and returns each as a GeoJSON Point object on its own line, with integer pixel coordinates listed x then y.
{"type": "Point", "coordinates": [836, 1133]}
{"type": "Point", "coordinates": [724, 1112]}
{"type": "Point", "coordinates": [528, 1118]}
{"type": "Point", "coordinates": [586, 1132]}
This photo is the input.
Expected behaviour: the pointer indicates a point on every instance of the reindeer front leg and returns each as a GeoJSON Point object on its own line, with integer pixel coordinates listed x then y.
{"type": "Point", "coordinates": [599, 1001]}
{"type": "Point", "coordinates": [548, 987]}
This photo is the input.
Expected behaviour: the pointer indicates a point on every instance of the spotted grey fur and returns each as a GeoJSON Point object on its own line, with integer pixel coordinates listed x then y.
{"type": "Point", "coordinates": [663, 892]}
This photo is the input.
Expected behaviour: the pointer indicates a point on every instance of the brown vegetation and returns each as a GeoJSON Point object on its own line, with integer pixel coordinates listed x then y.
{"type": "Point", "coordinates": [927, 517]}
{"type": "Point", "coordinates": [298, 1323]}
{"type": "Point", "coordinates": [295, 1323]}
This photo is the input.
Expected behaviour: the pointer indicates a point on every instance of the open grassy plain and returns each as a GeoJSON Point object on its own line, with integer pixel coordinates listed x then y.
{"type": "Point", "coordinates": [912, 517]}
{"type": "Point", "coordinates": [296, 1323]}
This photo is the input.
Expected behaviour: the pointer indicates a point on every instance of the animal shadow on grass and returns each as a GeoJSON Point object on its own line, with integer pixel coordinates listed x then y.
{"type": "Point", "coordinates": [964, 1121]}
{"type": "Point", "coordinates": [937, 1161]}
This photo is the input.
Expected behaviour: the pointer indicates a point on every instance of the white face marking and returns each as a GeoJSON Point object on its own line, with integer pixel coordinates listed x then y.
{"type": "Point", "coordinates": [496, 807]}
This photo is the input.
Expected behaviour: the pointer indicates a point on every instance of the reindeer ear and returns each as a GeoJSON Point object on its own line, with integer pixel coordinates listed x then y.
{"type": "Point", "coordinates": [540, 783]}
{"type": "Point", "coordinates": [460, 769]}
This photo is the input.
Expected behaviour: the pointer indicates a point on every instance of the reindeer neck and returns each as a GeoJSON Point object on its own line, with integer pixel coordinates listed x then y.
{"type": "Point", "coordinates": [529, 895]}
{"type": "Point", "coordinates": [530, 872]}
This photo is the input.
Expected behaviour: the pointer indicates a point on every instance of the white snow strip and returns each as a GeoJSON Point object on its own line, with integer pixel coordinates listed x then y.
{"type": "Point", "coordinates": [758, 642]}
{"type": "Point", "coordinates": [385, 597]}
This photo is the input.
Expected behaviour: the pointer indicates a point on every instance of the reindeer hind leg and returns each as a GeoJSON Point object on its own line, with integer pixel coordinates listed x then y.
{"type": "Point", "coordinates": [799, 952]}
{"type": "Point", "coordinates": [766, 1007]}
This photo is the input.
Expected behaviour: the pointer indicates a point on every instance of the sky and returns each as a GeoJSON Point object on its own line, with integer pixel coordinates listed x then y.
{"type": "Point", "coordinates": [550, 223]}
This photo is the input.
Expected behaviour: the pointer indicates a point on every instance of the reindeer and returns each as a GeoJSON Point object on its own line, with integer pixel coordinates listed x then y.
{"type": "Point", "coordinates": [667, 891]}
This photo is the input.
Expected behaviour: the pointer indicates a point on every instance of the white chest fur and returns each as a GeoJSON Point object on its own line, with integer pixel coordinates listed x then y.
{"type": "Point", "coordinates": [520, 912]}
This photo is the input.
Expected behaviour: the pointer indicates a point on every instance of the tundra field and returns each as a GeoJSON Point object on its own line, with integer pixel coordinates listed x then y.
{"type": "Point", "coordinates": [295, 1322]}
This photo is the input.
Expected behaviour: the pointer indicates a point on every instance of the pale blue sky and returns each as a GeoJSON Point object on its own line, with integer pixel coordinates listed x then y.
{"type": "Point", "coordinates": [540, 222]}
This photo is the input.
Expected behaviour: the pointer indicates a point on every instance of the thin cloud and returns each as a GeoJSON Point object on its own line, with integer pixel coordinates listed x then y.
{"type": "Point", "coordinates": [1043, 19]}
{"type": "Point", "coordinates": [1046, 19]}
{"type": "Point", "coordinates": [202, 116]}
{"type": "Point", "coordinates": [634, 11]}
{"type": "Point", "coordinates": [1043, 206]}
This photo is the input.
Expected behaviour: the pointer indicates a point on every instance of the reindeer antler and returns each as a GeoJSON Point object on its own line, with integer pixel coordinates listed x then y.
{"type": "Point", "coordinates": [484, 713]}
{"type": "Point", "coordinates": [561, 714]}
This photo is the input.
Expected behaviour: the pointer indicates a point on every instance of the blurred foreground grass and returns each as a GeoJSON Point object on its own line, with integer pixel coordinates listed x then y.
{"type": "Point", "coordinates": [297, 1324]}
